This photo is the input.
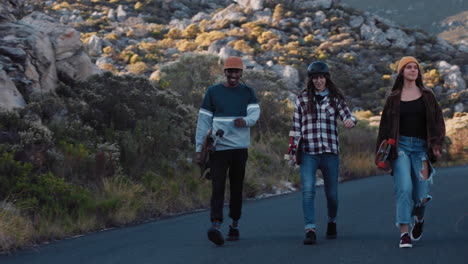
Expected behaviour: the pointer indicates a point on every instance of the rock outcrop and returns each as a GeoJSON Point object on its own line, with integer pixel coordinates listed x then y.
{"type": "Point", "coordinates": [36, 53]}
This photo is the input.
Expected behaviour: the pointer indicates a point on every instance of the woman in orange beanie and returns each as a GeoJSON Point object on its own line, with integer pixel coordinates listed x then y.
{"type": "Point", "coordinates": [414, 119]}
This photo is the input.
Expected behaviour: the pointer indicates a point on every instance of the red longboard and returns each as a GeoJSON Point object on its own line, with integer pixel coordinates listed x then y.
{"type": "Point", "coordinates": [381, 157]}
{"type": "Point", "coordinates": [294, 149]}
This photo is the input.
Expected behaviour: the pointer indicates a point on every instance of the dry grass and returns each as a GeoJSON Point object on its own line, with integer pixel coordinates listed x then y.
{"type": "Point", "coordinates": [15, 229]}
{"type": "Point", "coordinates": [125, 197]}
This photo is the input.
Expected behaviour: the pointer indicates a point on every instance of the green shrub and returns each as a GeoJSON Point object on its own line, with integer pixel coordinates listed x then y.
{"type": "Point", "coordinates": [137, 115]}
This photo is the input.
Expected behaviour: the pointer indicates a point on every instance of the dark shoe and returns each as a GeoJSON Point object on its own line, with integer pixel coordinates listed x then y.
{"type": "Point", "coordinates": [331, 230]}
{"type": "Point", "coordinates": [417, 230]}
{"type": "Point", "coordinates": [215, 236]}
{"type": "Point", "coordinates": [233, 234]}
{"type": "Point", "coordinates": [310, 238]}
{"type": "Point", "coordinates": [405, 241]}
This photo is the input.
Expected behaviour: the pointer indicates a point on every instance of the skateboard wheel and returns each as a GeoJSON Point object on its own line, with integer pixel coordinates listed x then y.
{"type": "Point", "coordinates": [382, 164]}
{"type": "Point", "coordinates": [391, 141]}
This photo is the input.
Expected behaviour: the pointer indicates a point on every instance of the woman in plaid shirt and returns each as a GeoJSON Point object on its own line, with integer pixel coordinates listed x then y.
{"type": "Point", "coordinates": [315, 115]}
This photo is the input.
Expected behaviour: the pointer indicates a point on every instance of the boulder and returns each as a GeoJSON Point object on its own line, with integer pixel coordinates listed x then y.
{"type": "Point", "coordinates": [451, 75]}
{"type": "Point", "coordinates": [10, 97]}
{"type": "Point", "coordinates": [66, 40]}
{"type": "Point", "coordinates": [459, 108]}
{"type": "Point", "coordinates": [399, 38]}
{"type": "Point", "coordinates": [374, 34]}
{"type": "Point", "coordinates": [121, 14]}
{"type": "Point", "coordinates": [94, 46]}
{"type": "Point", "coordinates": [10, 8]}
{"type": "Point", "coordinates": [227, 51]}
{"type": "Point", "coordinates": [76, 68]}
{"type": "Point", "coordinates": [200, 16]}
{"type": "Point", "coordinates": [288, 73]}
{"type": "Point", "coordinates": [111, 14]}
{"type": "Point", "coordinates": [314, 4]}
{"type": "Point", "coordinates": [251, 4]}
{"type": "Point", "coordinates": [229, 13]}
{"type": "Point", "coordinates": [356, 21]}
{"type": "Point", "coordinates": [41, 51]}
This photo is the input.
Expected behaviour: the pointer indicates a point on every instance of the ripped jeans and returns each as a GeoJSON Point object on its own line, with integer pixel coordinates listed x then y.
{"type": "Point", "coordinates": [410, 187]}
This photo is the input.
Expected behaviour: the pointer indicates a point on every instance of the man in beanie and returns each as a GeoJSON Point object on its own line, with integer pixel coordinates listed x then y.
{"type": "Point", "coordinates": [232, 107]}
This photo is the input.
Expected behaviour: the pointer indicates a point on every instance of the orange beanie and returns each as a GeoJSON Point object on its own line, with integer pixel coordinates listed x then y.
{"type": "Point", "coordinates": [233, 63]}
{"type": "Point", "coordinates": [406, 60]}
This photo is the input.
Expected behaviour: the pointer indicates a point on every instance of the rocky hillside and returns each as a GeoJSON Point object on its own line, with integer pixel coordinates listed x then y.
{"type": "Point", "coordinates": [141, 37]}
{"type": "Point", "coordinates": [455, 28]}
{"type": "Point", "coordinates": [423, 14]}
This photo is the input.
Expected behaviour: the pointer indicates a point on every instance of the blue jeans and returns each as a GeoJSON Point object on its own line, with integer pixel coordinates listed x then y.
{"type": "Point", "coordinates": [328, 163]}
{"type": "Point", "coordinates": [410, 188]}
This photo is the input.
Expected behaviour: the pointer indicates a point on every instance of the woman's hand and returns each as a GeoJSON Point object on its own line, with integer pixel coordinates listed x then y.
{"type": "Point", "coordinates": [348, 123]}
{"type": "Point", "coordinates": [436, 152]}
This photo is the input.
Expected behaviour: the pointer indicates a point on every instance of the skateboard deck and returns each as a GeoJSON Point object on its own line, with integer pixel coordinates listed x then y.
{"type": "Point", "coordinates": [294, 149]}
{"type": "Point", "coordinates": [381, 157]}
{"type": "Point", "coordinates": [208, 148]}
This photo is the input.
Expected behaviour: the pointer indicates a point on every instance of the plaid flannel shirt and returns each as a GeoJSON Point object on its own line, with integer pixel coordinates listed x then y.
{"type": "Point", "coordinates": [319, 131]}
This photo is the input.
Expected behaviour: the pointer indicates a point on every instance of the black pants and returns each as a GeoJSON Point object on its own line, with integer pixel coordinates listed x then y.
{"type": "Point", "coordinates": [233, 160]}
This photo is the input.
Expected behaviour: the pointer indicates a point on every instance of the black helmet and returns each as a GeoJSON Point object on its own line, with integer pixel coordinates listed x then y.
{"type": "Point", "coordinates": [317, 67]}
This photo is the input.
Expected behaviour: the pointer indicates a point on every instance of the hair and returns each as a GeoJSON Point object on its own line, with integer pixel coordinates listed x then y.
{"type": "Point", "coordinates": [334, 91]}
{"type": "Point", "coordinates": [400, 81]}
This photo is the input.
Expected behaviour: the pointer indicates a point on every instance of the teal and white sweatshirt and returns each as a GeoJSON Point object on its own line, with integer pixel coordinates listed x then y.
{"type": "Point", "coordinates": [220, 107]}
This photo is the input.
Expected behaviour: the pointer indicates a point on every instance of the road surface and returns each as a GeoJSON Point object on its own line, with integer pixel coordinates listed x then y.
{"type": "Point", "coordinates": [272, 232]}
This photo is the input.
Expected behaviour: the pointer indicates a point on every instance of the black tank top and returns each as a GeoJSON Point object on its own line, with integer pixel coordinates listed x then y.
{"type": "Point", "coordinates": [413, 118]}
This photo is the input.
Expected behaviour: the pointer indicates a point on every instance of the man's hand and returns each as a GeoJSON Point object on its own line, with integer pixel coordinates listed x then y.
{"type": "Point", "coordinates": [240, 122]}
{"type": "Point", "coordinates": [348, 123]}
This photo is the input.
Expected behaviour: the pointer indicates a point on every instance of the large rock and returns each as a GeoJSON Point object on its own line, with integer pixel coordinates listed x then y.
{"type": "Point", "coordinates": [451, 75]}
{"type": "Point", "coordinates": [374, 34]}
{"type": "Point", "coordinates": [356, 21]}
{"type": "Point", "coordinates": [76, 68]}
{"type": "Point", "coordinates": [314, 4]}
{"type": "Point", "coordinates": [94, 46]}
{"type": "Point", "coordinates": [227, 51]}
{"type": "Point", "coordinates": [399, 38]}
{"type": "Point", "coordinates": [10, 97]}
{"type": "Point", "coordinates": [229, 13]}
{"type": "Point", "coordinates": [121, 14]}
{"type": "Point", "coordinates": [39, 65]}
{"type": "Point", "coordinates": [41, 51]}
{"type": "Point", "coordinates": [66, 40]}
{"type": "Point", "coordinates": [10, 8]}
{"type": "Point", "coordinates": [251, 4]}
{"type": "Point", "coordinates": [288, 73]}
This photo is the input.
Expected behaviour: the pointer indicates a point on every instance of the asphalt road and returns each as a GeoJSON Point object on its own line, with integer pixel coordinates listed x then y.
{"type": "Point", "coordinates": [272, 232]}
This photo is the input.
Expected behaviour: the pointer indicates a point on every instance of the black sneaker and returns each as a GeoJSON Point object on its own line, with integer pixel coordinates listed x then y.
{"type": "Point", "coordinates": [233, 234]}
{"type": "Point", "coordinates": [215, 236]}
{"type": "Point", "coordinates": [417, 230]}
{"type": "Point", "coordinates": [405, 241]}
{"type": "Point", "coordinates": [331, 230]}
{"type": "Point", "coordinates": [310, 238]}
